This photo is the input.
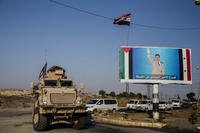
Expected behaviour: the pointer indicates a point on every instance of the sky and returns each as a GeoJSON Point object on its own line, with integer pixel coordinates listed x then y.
{"type": "Point", "coordinates": [35, 31]}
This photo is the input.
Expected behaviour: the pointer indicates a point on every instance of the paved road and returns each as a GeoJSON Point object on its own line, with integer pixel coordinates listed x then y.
{"type": "Point", "coordinates": [16, 121]}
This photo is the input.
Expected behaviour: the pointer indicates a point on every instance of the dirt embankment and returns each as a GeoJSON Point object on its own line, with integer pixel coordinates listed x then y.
{"type": "Point", "coordinates": [14, 92]}
{"type": "Point", "coordinates": [15, 98]}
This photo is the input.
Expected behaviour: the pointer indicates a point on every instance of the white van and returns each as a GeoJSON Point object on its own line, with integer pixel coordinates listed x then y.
{"type": "Point", "coordinates": [132, 103]}
{"type": "Point", "coordinates": [102, 104]}
{"type": "Point", "coordinates": [144, 105]}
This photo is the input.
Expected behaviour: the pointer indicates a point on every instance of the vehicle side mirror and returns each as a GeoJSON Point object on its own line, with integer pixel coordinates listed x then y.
{"type": "Point", "coordinates": [99, 103]}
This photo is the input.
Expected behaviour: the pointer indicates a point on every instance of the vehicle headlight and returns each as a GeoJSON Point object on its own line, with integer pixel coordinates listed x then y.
{"type": "Point", "coordinates": [79, 100]}
{"type": "Point", "coordinates": [44, 100]}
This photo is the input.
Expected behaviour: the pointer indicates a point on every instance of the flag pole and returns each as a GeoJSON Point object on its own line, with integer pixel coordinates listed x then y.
{"type": "Point", "coordinates": [127, 42]}
{"type": "Point", "coordinates": [128, 35]}
{"type": "Point", "coordinates": [45, 55]}
{"type": "Point", "coordinates": [124, 20]}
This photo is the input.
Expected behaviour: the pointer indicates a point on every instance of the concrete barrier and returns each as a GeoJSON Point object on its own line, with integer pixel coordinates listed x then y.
{"type": "Point", "coordinates": [128, 122]}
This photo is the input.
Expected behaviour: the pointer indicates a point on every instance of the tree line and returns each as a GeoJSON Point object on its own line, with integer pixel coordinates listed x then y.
{"type": "Point", "coordinates": [103, 94]}
{"type": "Point", "coordinates": [132, 95]}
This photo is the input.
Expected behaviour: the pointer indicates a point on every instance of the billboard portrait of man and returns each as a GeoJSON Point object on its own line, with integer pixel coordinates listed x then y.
{"type": "Point", "coordinates": [140, 64]}
{"type": "Point", "coordinates": [157, 66]}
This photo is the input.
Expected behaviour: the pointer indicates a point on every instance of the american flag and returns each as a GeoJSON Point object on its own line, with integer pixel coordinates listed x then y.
{"type": "Point", "coordinates": [43, 72]}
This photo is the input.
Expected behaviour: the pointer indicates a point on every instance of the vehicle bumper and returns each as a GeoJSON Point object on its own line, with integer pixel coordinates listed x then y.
{"type": "Point", "coordinates": [62, 109]}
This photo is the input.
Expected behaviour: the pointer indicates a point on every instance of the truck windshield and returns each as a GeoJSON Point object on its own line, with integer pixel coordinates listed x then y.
{"type": "Point", "coordinates": [92, 102]}
{"type": "Point", "coordinates": [66, 83]}
{"type": "Point", "coordinates": [162, 102]}
{"type": "Point", "coordinates": [132, 102]}
{"type": "Point", "coordinates": [50, 83]}
{"type": "Point", "coordinates": [142, 102]}
{"type": "Point", "coordinates": [175, 101]}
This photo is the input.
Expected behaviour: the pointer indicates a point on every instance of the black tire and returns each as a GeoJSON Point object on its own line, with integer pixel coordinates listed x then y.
{"type": "Point", "coordinates": [82, 123]}
{"type": "Point", "coordinates": [40, 122]}
{"type": "Point", "coordinates": [114, 110]}
{"type": "Point", "coordinates": [94, 111]}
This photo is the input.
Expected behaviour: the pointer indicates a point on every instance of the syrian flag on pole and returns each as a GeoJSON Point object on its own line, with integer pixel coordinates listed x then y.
{"type": "Point", "coordinates": [43, 72]}
{"type": "Point", "coordinates": [123, 20]}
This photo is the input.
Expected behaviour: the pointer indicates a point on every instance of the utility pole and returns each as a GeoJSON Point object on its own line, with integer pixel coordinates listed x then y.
{"type": "Point", "coordinates": [127, 88]}
{"type": "Point", "coordinates": [149, 91]}
{"type": "Point", "coordinates": [198, 97]}
{"type": "Point", "coordinates": [155, 102]}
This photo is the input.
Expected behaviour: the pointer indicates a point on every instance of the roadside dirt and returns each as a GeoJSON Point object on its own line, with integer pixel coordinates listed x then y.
{"type": "Point", "coordinates": [15, 101]}
{"type": "Point", "coordinates": [15, 114]}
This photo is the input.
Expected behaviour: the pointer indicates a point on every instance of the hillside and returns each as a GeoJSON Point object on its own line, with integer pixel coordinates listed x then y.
{"type": "Point", "coordinates": [15, 98]}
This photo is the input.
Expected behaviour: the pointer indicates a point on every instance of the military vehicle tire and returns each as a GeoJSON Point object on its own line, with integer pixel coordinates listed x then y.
{"type": "Point", "coordinates": [40, 122]}
{"type": "Point", "coordinates": [82, 123]}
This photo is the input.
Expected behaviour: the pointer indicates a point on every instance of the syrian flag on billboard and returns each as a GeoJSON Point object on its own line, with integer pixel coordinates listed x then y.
{"type": "Point", "coordinates": [123, 20]}
{"type": "Point", "coordinates": [43, 72]}
{"type": "Point", "coordinates": [185, 64]}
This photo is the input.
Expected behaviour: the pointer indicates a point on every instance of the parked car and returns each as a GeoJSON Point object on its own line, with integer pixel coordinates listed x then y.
{"type": "Point", "coordinates": [176, 103]}
{"type": "Point", "coordinates": [95, 105]}
{"type": "Point", "coordinates": [132, 103]}
{"type": "Point", "coordinates": [165, 105]}
{"type": "Point", "coordinates": [186, 105]}
{"type": "Point", "coordinates": [169, 105]}
{"type": "Point", "coordinates": [144, 105]}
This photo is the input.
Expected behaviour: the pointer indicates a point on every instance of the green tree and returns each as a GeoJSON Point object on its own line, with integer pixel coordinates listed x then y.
{"type": "Point", "coordinates": [123, 94]}
{"type": "Point", "coordinates": [112, 93]}
{"type": "Point", "coordinates": [132, 95]}
{"type": "Point", "coordinates": [144, 96]}
{"type": "Point", "coordinates": [102, 93]}
{"type": "Point", "coordinates": [191, 96]}
{"type": "Point", "coordinates": [139, 95]}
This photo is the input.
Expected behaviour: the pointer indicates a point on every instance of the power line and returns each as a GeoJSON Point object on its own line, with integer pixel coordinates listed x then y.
{"type": "Point", "coordinates": [109, 18]}
{"type": "Point", "coordinates": [165, 28]}
{"type": "Point", "coordinates": [80, 10]}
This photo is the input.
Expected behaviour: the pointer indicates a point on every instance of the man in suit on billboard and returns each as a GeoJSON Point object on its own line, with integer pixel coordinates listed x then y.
{"type": "Point", "coordinates": [157, 66]}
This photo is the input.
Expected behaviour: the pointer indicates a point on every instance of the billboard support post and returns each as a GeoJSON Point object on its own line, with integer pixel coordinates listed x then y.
{"type": "Point", "coordinates": [127, 88]}
{"type": "Point", "coordinates": [155, 102]}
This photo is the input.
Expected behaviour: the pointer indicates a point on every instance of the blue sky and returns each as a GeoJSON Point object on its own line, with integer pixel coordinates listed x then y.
{"type": "Point", "coordinates": [87, 46]}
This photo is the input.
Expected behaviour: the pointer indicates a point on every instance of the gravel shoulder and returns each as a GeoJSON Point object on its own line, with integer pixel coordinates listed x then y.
{"type": "Point", "coordinates": [19, 121]}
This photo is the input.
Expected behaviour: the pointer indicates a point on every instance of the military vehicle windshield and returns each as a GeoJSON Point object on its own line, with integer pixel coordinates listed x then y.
{"type": "Point", "coordinates": [66, 83]}
{"type": "Point", "coordinates": [50, 82]}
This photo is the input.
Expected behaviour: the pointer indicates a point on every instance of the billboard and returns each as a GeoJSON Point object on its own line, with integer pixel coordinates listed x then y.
{"type": "Point", "coordinates": [154, 65]}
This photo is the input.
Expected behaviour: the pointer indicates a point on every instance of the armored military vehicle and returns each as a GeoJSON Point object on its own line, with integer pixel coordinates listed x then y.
{"type": "Point", "coordinates": [57, 100]}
